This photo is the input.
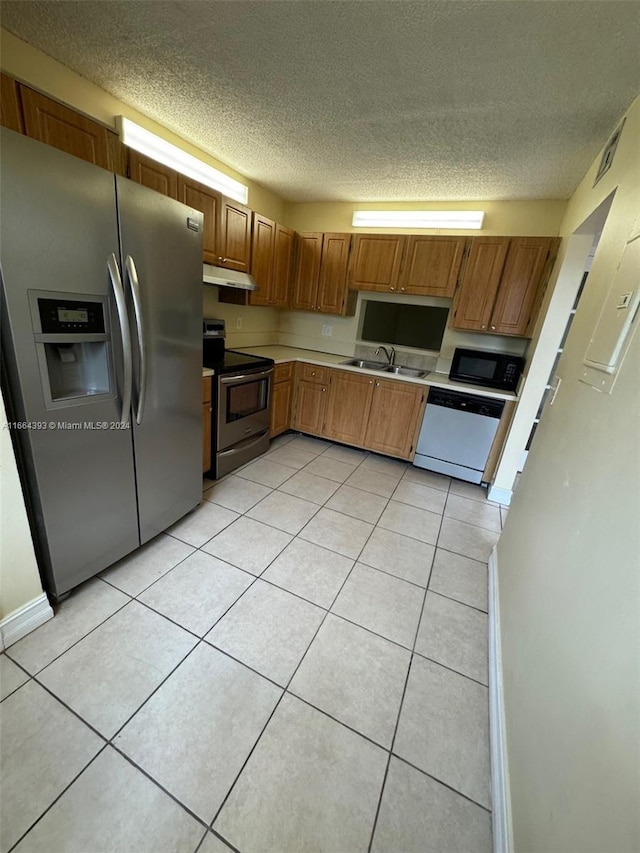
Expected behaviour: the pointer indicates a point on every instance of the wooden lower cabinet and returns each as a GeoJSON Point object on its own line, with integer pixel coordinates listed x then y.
{"type": "Point", "coordinates": [348, 407]}
{"type": "Point", "coordinates": [358, 409]}
{"type": "Point", "coordinates": [394, 417]}
{"type": "Point", "coordinates": [281, 398]}
{"type": "Point", "coordinates": [311, 405]}
{"type": "Point", "coordinates": [206, 423]}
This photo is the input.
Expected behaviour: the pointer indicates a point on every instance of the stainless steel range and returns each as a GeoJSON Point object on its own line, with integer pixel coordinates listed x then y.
{"type": "Point", "coordinates": [241, 401]}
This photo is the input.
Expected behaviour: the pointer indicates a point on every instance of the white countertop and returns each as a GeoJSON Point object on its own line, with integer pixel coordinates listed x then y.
{"type": "Point", "coordinates": [281, 354]}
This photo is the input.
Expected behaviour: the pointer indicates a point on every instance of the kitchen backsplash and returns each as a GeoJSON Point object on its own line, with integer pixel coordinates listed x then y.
{"type": "Point", "coordinates": [408, 358]}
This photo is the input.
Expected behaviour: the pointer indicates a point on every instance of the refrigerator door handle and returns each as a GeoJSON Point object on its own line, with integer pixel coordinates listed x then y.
{"type": "Point", "coordinates": [132, 274]}
{"type": "Point", "coordinates": [121, 307]}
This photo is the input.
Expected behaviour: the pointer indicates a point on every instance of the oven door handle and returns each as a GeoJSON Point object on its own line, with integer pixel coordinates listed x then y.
{"type": "Point", "coordinates": [240, 378]}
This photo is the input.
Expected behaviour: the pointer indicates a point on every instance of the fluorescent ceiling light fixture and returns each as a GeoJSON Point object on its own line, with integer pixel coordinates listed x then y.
{"type": "Point", "coordinates": [175, 158]}
{"type": "Point", "coordinates": [460, 219]}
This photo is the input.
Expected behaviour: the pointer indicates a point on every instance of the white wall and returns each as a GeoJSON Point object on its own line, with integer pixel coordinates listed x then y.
{"type": "Point", "coordinates": [568, 573]}
{"type": "Point", "coordinates": [19, 576]}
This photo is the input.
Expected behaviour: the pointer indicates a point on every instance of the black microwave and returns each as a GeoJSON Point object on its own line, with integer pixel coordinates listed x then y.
{"type": "Point", "coordinates": [500, 370]}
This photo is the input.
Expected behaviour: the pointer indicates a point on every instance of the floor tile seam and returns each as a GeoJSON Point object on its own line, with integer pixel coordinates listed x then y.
{"type": "Point", "coordinates": [451, 669]}
{"type": "Point", "coordinates": [441, 782]}
{"type": "Point", "coordinates": [84, 636]}
{"type": "Point", "coordinates": [483, 500]}
{"type": "Point", "coordinates": [282, 491]}
{"type": "Point", "coordinates": [252, 669]}
{"type": "Point", "coordinates": [169, 570]}
{"type": "Point", "coordinates": [290, 592]}
{"type": "Point", "coordinates": [416, 506]}
{"type": "Point", "coordinates": [390, 574]}
{"type": "Point", "coordinates": [217, 834]}
{"type": "Point", "coordinates": [159, 785]}
{"type": "Point", "coordinates": [408, 535]}
{"type": "Point", "coordinates": [418, 483]}
{"type": "Point", "coordinates": [220, 560]}
{"type": "Point", "coordinates": [55, 800]}
{"type": "Point", "coordinates": [294, 471]}
{"type": "Point", "coordinates": [201, 842]}
{"type": "Point", "coordinates": [460, 553]}
{"type": "Point", "coordinates": [484, 563]}
{"type": "Point", "coordinates": [281, 529]}
{"type": "Point", "coordinates": [340, 722]}
{"type": "Point", "coordinates": [70, 709]}
{"type": "Point", "coordinates": [246, 761]}
{"type": "Point", "coordinates": [370, 631]}
{"type": "Point", "coordinates": [246, 571]}
{"type": "Point", "coordinates": [457, 600]}
{"type": "Point", "coordinates": [471, 523]}
{"type": "Point", "coordinates": [154, 691]}
{"type": "Point", "coordinates": [331, 480]}
{"type": "Point", "coordinates": [379, 804]}
{"type": "Point", "coordinates": [338, 553]}
{"type": "Point", "coordinates": [22, 669]}
{"type": "Point", "coordinates": [393, 740]}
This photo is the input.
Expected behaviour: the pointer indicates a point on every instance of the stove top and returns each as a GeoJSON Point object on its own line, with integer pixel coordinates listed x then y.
{"type": "Point", "coordinates": [235, 362]}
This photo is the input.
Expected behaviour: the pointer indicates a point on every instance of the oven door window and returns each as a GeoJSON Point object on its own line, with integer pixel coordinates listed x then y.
{"type": "Point", "coordinates": [246, 399]}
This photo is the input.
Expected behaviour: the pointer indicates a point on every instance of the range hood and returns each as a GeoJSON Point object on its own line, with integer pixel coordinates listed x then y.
{"type": "Point", "coordinates": [227, 278]}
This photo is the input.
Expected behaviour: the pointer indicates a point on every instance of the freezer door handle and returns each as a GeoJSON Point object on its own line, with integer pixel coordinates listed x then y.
{"type": "Point", "coordinates": [121, 307]}
{"type": "Point", "coordinates": [132, 275]}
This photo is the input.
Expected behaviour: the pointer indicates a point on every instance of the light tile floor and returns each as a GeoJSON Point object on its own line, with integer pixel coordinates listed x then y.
{"type": "Point", "coordinates": [300, 664]}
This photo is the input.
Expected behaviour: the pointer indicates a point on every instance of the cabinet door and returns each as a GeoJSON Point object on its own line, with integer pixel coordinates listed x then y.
{"type": "Point", "coordinates": [282, 266]}
{"type": "Point", "coordinates": [476, 296]}
{"type": "Point", "coordinates": [64, 128]}
{"type": "Point", "coordinates": [143, 170]}
{"type": "Point", "coordinates": [207, 201]}
{"type": "Point", "coordinates": [263, 243]}
{"type": "Point", "coordinates": [9, 105]}
{"type": "Point", "coordinates": [348, 407]}
{"type": "Point", "coordinates": [235, 236]}
{"type": "Point", "coordinates": [310, 407]}
{"type": "Point", "coordinates": [281, 407]}
{"type": "Point", "coordinates": [393, 420]}
{"type": "Point", "coordinates": [432, 265]}
{"type": "Point", "coordinates": [375, 262]}
{"type": "Point", "coordinates": [305, 285]}
{"type": "Point", "coordinates": [332, 280]}
{"type": "Point", "coordinates": [522, 276]}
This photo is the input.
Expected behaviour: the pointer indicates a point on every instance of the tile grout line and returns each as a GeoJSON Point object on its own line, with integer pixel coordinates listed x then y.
{"type": "Point", "coordinates": [457, 601]}
{"type": "Point", "coordinates": [440, 782]}
{"type": "Point", "coordinates": [61, 794]}
{"type": "Point", "coordinates": [402, 698]}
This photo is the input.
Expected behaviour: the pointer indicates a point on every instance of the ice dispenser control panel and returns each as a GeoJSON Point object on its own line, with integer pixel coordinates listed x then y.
{"type": "Point", "coordinates": [70, 316]}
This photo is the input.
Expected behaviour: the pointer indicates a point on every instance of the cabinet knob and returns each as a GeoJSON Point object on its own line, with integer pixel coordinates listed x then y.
{"type": "Point", "coordinates": [402, 289]}
{"type": "Point", "coordinates": [377, 384]}
{"type": "Point", "coordinates": [313, 373]}
{"type": "Point", "coordinates": [494, 328]}
{"type": "Point", "coordinates": [224, 260]}
{"type": "Point", "coordinates": [483, 326]}
{"type": "Point", "coordinates": [371, 382]}
{"type": "Point", "coordinates": [392, 288]}
{"type": "Point", "coordinates": [323, 390]}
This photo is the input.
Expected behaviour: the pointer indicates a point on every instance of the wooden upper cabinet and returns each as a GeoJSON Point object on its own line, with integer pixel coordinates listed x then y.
{"type": "Point", "coordinates": [393, 420]}
{"type": "Point", "coordinates": [208, 202]}
{"type": "Point", "coordinates": [521, 280]}
{"type": "Point", "coordinates": [235, 236]}
{"type": "Point", "coordinates": [475, 299]}
{"type": "Point", "coordinates": [10, 114]}
{"type": "Point", "coordinates": [348, 408]}
{"type": "Point", "coordinates": [262, 251]}
{"type": "Point", "coordinates": [56, 124]}
{"type": "Point", "coordinates": [282, 266]}
{"type": "Point", "coordinates": [332, 281]}
{"type": "Point", "coordinates": [305, 286]}
{"type": "Point", "coordinates": [143, 170]}
{"type": "Point", "coordinates": [375, 262]}
{"type": "Point", "coordinates": [431, 265]}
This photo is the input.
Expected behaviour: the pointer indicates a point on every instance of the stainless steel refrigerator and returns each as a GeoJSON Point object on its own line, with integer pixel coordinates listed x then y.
{"type": "Point", "coordinates": [101, 356]}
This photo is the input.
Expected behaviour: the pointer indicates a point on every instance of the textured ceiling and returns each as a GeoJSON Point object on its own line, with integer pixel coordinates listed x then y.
{"type": "Point", "coordinates": [365, 101]}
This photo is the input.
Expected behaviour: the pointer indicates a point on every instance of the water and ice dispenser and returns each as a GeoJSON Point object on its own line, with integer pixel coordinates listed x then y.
{"type": "Point", "coordinates": [73, 342]}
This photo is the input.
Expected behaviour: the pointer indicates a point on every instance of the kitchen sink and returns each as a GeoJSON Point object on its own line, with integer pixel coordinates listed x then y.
{"type": "Point", "coordinates": [405, 371]}
{"type": "Point", "coordinates": [398, 369]}
{"type": "Point", "coordinates": [369, 365]}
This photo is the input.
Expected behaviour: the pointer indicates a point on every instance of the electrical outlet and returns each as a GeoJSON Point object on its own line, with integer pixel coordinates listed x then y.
{"type": "Point", "coordinates": [238, 322]}
{"type": "Point", "coordinates": [327, 331]}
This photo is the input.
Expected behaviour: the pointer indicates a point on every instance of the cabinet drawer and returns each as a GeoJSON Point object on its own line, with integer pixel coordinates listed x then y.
{"type": "Point", "coordinates": [206, 389]}
{"type": "Point", "coordinates": [313, 373]}
{"type": "Point", "coordinates": [283, 372]}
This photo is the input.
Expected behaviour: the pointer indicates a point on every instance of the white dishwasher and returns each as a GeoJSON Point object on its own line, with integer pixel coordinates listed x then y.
{"type": "Point", "coordinates": [457, 433]}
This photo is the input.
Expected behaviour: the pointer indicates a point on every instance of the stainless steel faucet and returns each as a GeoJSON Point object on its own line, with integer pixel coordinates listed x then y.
{"type": "Point", "coordinates": [390, 355]}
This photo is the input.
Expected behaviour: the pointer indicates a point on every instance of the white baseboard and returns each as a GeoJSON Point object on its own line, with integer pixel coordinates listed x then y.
{"type": "Point", "coordinates": [500, 794]}
{"type": "Point", "coordinates": [500, 496]}
{"type": "Point", "coordinates": [21, 622]}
